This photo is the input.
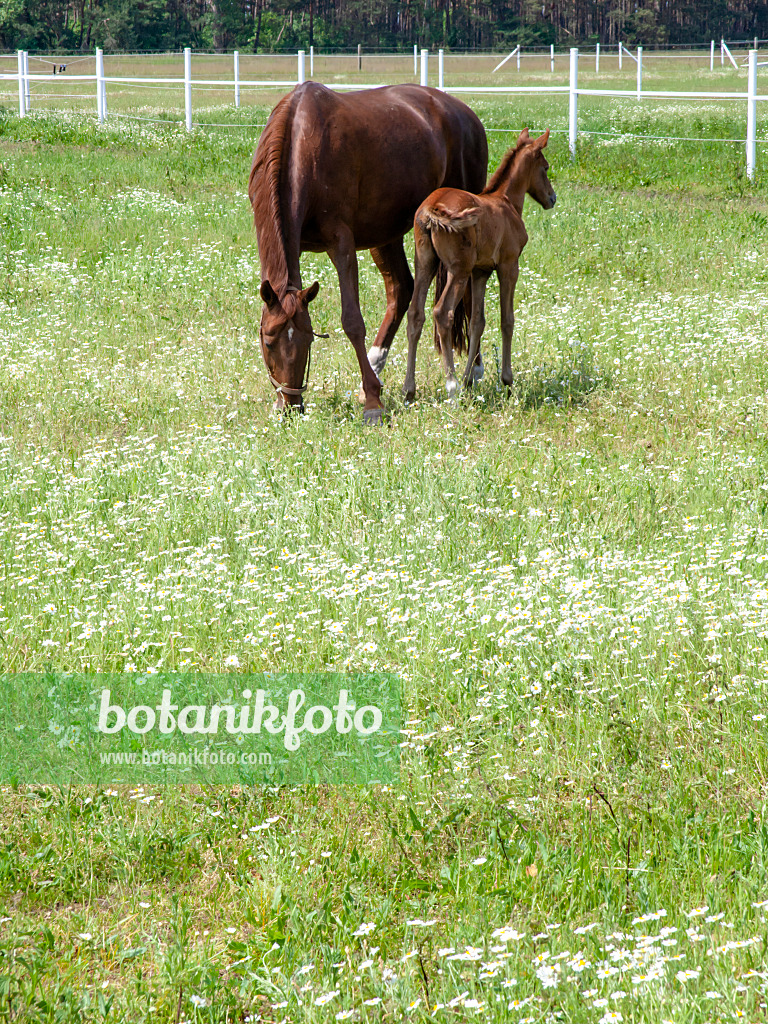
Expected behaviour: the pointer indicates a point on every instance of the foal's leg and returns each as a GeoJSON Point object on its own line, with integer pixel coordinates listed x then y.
{"type": "Point", "coordinates": [476, 325]}
{"type": "Point", "coordinates": [393, 266]}
{"type": "Point", "coordinates": [426, 263]}
{"type": "Point", "coordinates": [507, 274]}
{"type": "Point", "coordinates": [344, 258]}
{"type": "Point", "coordinates": [443, 314]}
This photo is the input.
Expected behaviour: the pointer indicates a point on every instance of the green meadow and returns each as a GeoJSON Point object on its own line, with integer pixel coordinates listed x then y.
{"type": "Point", "coordinates": [570, 582]}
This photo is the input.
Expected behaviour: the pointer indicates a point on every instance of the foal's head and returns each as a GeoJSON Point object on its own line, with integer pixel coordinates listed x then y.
{"type": "Point", "coordinates": [286, 339]}
{"type": "Point", "coordinates": [539, 187]}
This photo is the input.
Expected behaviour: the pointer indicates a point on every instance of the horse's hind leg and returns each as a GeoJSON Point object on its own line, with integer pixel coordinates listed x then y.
{"type": "Point", "coordinates": [444, 315]}
{"type": "Point", "coordinates": [393, 266]}
{"type": "Point", "coordinates": [476, 326]}
{"type": "Point", "coordinates": [426, 263]}
{"type": "Point", "coordinates": [344, 258]}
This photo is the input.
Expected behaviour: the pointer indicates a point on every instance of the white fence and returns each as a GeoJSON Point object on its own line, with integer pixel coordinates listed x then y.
{"type": "Point", "coordinates": [750, 98]}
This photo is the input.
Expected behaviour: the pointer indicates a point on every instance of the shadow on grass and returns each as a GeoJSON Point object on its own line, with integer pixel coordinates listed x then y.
{"type": "Point", "coordinates": [564, 384]}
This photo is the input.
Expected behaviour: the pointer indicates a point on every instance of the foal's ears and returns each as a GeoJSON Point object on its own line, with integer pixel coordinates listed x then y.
{"type": "Point", "coordinates": [523, 137]}
{"type": "Point", "coordinates": [542, 140]}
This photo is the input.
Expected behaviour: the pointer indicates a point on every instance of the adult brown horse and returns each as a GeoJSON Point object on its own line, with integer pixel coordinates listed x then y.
{"type": "Point", "coordinates": [340, 173]}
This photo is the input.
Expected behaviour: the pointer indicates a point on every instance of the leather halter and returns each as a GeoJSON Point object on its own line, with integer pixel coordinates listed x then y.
{"type": "Point", "coordinates": [283, 389]}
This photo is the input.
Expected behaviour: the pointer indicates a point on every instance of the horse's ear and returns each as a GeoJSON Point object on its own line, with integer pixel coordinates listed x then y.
{"type": "Point", "coordinates": [542, 140]}
{"type": "Point", "coordinates": [523, 137]}
{"type": "Point", "coordinates": [309, 293]}
{"type": "Point", "coordinates": [268, 295]}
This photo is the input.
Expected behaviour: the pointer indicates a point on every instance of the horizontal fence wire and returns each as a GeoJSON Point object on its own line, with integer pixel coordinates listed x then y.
{"type": "Point", "coordinates": [179, 84]}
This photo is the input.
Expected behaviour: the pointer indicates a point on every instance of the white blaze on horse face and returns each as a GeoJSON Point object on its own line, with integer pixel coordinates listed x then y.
{"type": "Point", "coordinates": [290, 334]}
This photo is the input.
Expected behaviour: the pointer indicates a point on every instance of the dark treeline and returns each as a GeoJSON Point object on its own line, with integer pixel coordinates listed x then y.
{"type": "Point", "coordinates": [268, 25]}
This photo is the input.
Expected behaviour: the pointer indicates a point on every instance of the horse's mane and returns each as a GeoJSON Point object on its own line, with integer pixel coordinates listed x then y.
{"type": "Point", "coordinates": [504, 167]}
{"type": "Point", "coordinates": [264, 193]}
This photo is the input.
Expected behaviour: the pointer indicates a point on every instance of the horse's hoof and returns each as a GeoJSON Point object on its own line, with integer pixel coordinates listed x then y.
{"type": "Point", "coordinates": [478, 372]}
{"type": "Point", "coordinates": [373, 417]}
{"type": "Point", "coordinates": [409, 397]}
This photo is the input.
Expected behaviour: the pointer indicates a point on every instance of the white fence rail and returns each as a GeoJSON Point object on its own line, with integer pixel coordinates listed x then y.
{"type": "Point", "coordinates": [750, 98]}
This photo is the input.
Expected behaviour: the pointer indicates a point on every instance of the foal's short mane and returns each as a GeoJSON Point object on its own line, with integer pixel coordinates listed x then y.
{"type": "Point", "coordinates": [264, 193]}
{"type": "Point", "coordinates": [504, 167]}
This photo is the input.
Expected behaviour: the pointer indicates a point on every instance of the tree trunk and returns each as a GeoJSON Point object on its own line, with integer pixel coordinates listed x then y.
{"type": "Point", "coordinates": [258, 26]}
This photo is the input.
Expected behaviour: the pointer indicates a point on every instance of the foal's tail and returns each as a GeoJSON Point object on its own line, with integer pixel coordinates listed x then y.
{"type": "Point", "coordinates": [438, 218]}
{"type": "Point", "coordinates": [461, 315]}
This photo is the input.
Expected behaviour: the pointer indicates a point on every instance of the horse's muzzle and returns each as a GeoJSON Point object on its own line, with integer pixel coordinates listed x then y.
{"type": "Point", "coordinates": [287, 408]}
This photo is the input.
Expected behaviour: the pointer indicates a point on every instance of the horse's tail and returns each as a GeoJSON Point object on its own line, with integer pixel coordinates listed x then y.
{"type": "Point", "coordinates": [439, 216]}
{"type": "Point", "coordinates": [461, 315]}
{"type": "Point", "coordinates": [434, 219]}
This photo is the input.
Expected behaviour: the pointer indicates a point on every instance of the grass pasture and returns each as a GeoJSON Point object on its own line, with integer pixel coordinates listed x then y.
{"type": "Point", "coordinates": [571, 583]}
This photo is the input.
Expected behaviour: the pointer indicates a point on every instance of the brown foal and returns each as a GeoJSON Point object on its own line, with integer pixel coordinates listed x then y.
{"type": "Point", "coordinates": [473, 235]}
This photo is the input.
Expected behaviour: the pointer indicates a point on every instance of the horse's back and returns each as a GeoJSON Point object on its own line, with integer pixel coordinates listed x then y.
{"type": "Point", "coordinates": [367, 159]}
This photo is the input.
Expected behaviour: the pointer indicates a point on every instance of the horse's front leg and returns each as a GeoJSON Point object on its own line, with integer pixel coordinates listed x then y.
{"type": "Point", "coordinates": [507, 274]}
{"type": "Point", "coordinates": [444, 315]}
{"type": "Point", "coordinates": [426, 263]}
{"type": "Point", "coordinates": [476, 325]}
{"type": "Point", "coordinates": [344, 258]}
{"type": "Point", "coordinates": [398, 282]}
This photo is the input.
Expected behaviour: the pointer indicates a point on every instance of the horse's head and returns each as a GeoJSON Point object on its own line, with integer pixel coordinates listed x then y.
{"type": "Point", "coordinates": [286, 339]}
{"type": "Point", "coordinates": [540, 187]}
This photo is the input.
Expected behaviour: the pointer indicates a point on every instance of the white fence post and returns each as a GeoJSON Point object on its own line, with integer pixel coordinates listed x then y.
{"type": "Point", "coordinates": [415, 59]}
{"type": "Point", "coordinates": [311, 62]}
{"type": "Point", "coordinates": [236, 57]}
{"type": "Point", "coordinates": [188, 87]}
{"type": "Point", "coordinates": [751, 113]}
{"type": "Point", "coordinates": [619, 55]}
{"type": "Point", "coordinates": [100, 85]}
{"type": "Point", "coordinates": [518, 56]}
{"type": "Point", "coordinates": [22, 90]}
{"type": "Point", "coordinates": [597, 59]}
{"type": "Point", "coordinates": [552, 57]}
{"type": "Point", "coordinates": [712, 55]}
{"type": "Point", "coordinates": [730, 56]}
{"type": "Point", "coordinates": [26, 79]}
{"type": "Point", "coordinates": [722, 52]}
{"type": "Point", "coordinates": [359, 56]}
{"type": "Point", "coordinates": [440, 68]}
{"type": "Point", "coordinates": [425, 67]}
{"type": "Point", "coordinates": [639, 71]}
{"type": "Point", "coordinates": [300, 77]}
{"type": "Point", "coordinates": [573, 101]}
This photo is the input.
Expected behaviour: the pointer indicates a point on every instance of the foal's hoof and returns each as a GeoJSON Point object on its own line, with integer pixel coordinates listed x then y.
{"type": "Point", "coordinates": [373, 417]}
{"type": "Point", "coordinates": [478, 372]}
